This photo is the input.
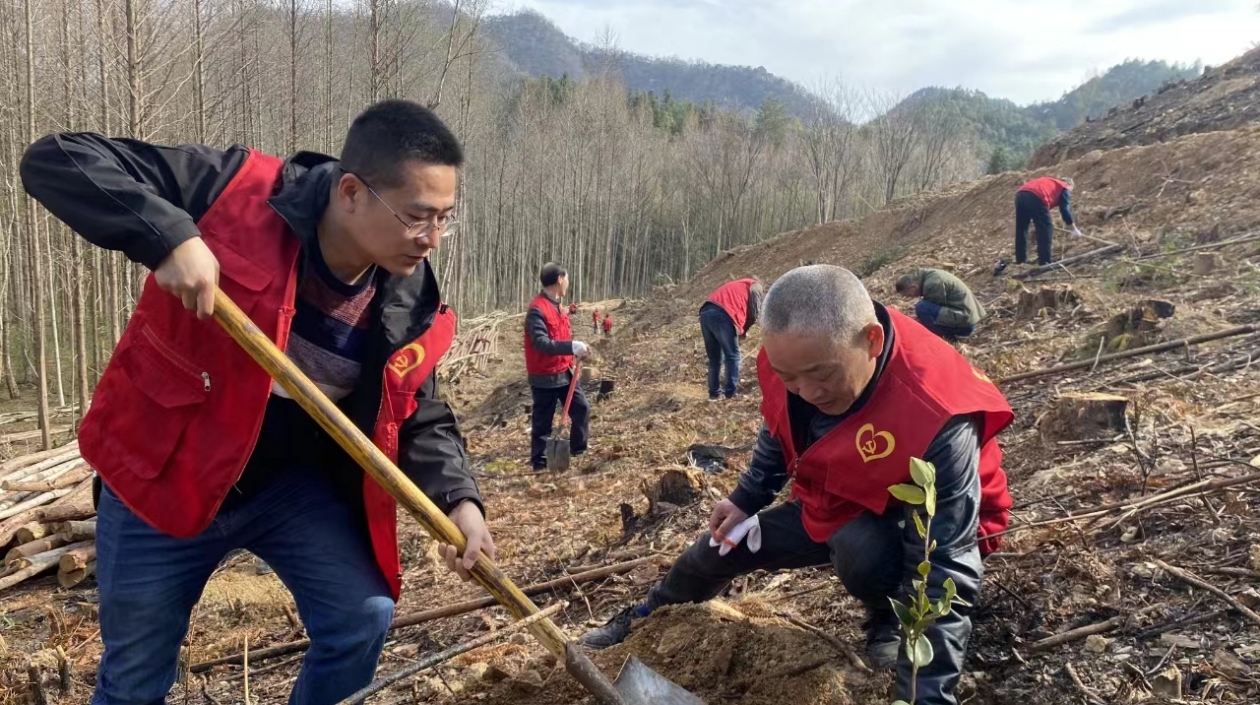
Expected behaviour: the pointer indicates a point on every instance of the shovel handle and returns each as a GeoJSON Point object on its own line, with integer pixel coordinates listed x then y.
{"type": "Point", "coordinates": [377, 465]}
{"type": "Point", "coordinates": [573, 383]}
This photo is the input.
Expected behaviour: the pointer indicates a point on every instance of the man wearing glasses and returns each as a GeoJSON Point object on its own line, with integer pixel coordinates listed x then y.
{"type": "Point", "coordinates": [199, 452]}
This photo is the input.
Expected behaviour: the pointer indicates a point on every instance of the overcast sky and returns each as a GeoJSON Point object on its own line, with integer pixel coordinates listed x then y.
{"type": "Point", "coordinates": [1025, 50]}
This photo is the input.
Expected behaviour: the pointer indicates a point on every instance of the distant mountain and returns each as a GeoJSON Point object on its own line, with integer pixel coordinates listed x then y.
{"type": "Point", "coordinates": [1000, 125]}
{"type": "Point", "coordinates": [534, 46]}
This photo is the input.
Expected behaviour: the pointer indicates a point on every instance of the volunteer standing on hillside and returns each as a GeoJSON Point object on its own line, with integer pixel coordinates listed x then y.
{"type": "Point", "coordinates": [549, 353]}
{"type": "Point", "coordinates": [199, 452]}
{"type": "Point", "coordinates": [1033, 202]}
{"type": "Point", "coordinates": [851, 392]}
{"type": "Point", "coordinates": [947, 307]}
{"type": "Point", "coordinates": [725, 318]}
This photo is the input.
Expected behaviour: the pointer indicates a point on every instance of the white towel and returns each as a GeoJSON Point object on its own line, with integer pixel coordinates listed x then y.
{"type": "Point", "coordinates": [750, 528]}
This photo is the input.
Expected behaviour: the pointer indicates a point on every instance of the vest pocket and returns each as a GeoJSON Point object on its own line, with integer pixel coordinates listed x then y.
{"type": "Point", "coordinates": [171, 390]}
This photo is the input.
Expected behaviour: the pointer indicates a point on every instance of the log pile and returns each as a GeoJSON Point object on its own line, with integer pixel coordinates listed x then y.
{"type": "Point", "coordinates": [47, 520]}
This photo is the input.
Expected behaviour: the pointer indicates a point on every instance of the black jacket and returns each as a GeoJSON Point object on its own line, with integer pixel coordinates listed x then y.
{"type": "Point", "coordinates": [144, 200]}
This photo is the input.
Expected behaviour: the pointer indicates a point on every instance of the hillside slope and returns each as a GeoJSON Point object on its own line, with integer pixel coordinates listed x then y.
{"type": "Point", "coordinates": [1223, 98]}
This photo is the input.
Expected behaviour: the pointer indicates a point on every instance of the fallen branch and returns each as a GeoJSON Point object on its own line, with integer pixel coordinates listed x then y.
{"type": "Point", "coordinates": [1187, 577]}
{"type": "Point", "coordinates": [1081, 688]}
{"type": "Point", "coordinates": [32, 435]}
{"type": "Point", "coordinates": [849, 653]}
{"type": "Point", "coordinates": [1191, 490]}
{"type": "Point", "coordinates": [410, 620]}
{"type": "Point", "coordinates": [444, 656]}
{"type": "Point", "coordinates": [1070, 260]}
{"type": "Point", "coordinates": [1234, 572]}
{"type": "Point", "coordinates": [1159, 347]}
{"type": "Point", "coordinates": [1211, 245]}
{"type": "Point", "coordinates": [1089, 630]}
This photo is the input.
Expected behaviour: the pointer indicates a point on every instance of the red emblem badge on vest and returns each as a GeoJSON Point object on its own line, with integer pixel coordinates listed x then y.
{"type": "Point", "coordinates": [872, 445]}
{"type": "Point", "coordinates": [406, 359]}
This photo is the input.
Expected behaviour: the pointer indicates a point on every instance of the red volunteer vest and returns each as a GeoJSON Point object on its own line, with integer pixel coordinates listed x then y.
{"type": "Point", "coordinates": [1047, 188]}
{"type": "Point", "coordinates": [178, 410]}
{"type": "Point", "coordinates": [925, 382]}
{"type": "Point", "coordinates": [608, 323]}
{"type": "Point", "coordinates": [537, 363]}
{"type": "Point", "coordinates": [733, 298]}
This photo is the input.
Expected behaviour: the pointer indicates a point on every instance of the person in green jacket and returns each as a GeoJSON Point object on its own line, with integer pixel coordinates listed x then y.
{"type": "Point", "coordinates": [947, 307]}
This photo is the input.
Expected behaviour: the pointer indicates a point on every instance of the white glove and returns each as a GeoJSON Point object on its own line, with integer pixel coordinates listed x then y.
{"type": "Point", "coordinates": [580, 350]}
{"type": "Point", "coordinates": [750, 527]}
{"type": "Point", "coordinates": [1076, 232]}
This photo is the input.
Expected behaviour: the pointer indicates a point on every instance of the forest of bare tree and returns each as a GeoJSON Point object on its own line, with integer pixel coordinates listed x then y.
{"type": "Point", "coordinates": [629, 191]}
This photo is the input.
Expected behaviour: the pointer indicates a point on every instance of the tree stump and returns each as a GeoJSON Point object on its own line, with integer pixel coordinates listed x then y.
{"type": "Point", "coordinates": [676, 487]}
{"type": "Point", "coordinates": [1035, 303]}
{"type": "Point", "coordinates": [1204, 263]}
{"type": "Point", "coordinates": [1082, 416]}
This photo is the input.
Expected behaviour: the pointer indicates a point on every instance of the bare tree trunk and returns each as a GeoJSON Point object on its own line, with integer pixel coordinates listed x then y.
{"type": "Point", "coordinates": [37, 265]}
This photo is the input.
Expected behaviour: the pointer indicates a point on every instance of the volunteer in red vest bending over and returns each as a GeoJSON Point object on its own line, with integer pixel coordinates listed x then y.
{"type": "Point", "coordinates": [200, 453]}
{"type": "Point", "coordinates": [851, 391]}
{"type": "Point", "coordinates": [549, 353]}
{"type": "Point", "coordinates": [1033, 202]}
{"type": "Point", "coordinates": [724, 319]}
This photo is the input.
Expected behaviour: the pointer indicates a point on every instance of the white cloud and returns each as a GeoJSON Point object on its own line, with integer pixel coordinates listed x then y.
{"type": "Point", "coordinates": [1025, 51]}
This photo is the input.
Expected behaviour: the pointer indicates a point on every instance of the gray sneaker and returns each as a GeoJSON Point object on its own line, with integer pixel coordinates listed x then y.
{"type": "Point", "coordinates": [883, 639]}
{"type": "Point", "coordinates": [612, 633]}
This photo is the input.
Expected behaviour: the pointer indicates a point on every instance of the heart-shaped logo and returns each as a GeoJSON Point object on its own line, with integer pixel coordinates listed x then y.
{"type": "Point", "coordinates": [407, 359]}
{"type": "Point", "coordinates": [868, 443]}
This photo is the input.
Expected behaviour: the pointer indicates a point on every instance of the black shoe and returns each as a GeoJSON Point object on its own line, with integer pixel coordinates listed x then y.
{"type": "Point", "coordinates": [613, 632]}
{"type": "Point", "coordinates": [883, 639]}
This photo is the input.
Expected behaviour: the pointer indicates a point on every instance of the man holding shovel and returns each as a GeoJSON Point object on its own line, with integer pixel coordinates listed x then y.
{"type": "Point", "coordinates": [851, 391]}
{"type": "Point", "coordinates": [199, 451]}
{"type": "Point", "coordinates": [549, 354]}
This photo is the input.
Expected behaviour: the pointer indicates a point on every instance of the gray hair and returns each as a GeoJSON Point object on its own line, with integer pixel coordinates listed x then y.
{"type": "Point", "coordinates": [819, 298]}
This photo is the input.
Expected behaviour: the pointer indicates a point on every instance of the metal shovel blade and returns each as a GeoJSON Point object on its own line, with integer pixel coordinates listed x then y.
{"type": "Point", "coordinates": [639, 685]}
{"type": "Point", "coordinates": [557, 453]}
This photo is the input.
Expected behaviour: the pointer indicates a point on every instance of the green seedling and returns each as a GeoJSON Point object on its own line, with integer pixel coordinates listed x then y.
{"type": "Point", "coordinates": [921, 613]}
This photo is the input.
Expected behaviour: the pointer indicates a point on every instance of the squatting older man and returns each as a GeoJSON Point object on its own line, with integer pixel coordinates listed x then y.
{"type": "Point", "coordinates": [851, 391]}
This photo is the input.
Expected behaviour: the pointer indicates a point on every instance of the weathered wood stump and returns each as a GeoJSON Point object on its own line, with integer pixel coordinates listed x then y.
{"type": "Point", "coordinates": [1083, 416]}
{"type": "Point", "coordinates": [677, 487]}
{"type": "Point", "coordinates": [1036, 303]}
{"type": "Point", "coordinates": [1204, 263]}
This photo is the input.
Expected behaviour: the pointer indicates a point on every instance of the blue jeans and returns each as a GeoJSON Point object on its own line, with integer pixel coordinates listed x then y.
{"type": "Point", "coordinates": [927, 311]}
{"type": "Point", "coordinates": [318, 546]}
{"type": "Point", "coordinates": [721, 345]}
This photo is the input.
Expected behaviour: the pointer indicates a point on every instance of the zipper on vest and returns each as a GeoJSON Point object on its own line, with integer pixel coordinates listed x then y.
{"type": "Point", "coordinates": [205, 377]}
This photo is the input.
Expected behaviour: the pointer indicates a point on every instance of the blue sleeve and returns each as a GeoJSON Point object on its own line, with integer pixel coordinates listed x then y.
{"type": "Point", "coordinates": [1065, 207]}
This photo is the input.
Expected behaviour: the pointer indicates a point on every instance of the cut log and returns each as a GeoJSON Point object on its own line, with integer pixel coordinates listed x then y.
{"type": "Point", "coordinates": [1204, 263]}
{"type": "Point", "coordinates": [76, 505]}
{"type": "Point", "coordinates": [37, 564]}
{"type": "Point", "coordinates": [36, 470]}
{"type": "Point", "coordinates": [22, 436]}
{"type": "Point", "coordinates": [76, 530]}
{"type": "Point", "coordinates": [1036, 271]}
{"type": "Point", "coordinates": [77, 559]}
{"type": "Point", "coordinates": [1077, 416]}
{"type": "Point", "coordinates": [32, 531]}
{"type": "Point", "coordinates": [69, 450]}
{"type": "Point", "coordinates": [677, 487]}
{"type": "Point", "coordinates": [76, 471]}
{"type": "Point", "coordinates": [1034, 303]}
{"type": "Point", "coordinates": [72, 578]}
{"type": "Point", "coordinates": [36, 547]}
{"type": "Point", "coordinates": [38, 500]}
